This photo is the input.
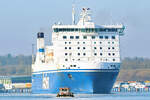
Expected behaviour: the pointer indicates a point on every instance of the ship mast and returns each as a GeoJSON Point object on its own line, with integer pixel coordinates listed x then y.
{"type": "Point", "coordinates": [73, 14]}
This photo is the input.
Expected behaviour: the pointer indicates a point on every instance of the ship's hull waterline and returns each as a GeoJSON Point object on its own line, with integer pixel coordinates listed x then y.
{"type": "Point", "coordinates": [79, 81]}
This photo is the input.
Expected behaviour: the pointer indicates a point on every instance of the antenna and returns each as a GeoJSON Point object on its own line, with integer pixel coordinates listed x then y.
{"type": "Point", "coordinates": [73, 14]}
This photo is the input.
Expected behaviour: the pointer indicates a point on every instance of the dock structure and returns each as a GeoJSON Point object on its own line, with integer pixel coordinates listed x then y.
{"type": "Point", "coordinates": [15, 84]}
{"type": "Point", "coordinates": [132, 86]}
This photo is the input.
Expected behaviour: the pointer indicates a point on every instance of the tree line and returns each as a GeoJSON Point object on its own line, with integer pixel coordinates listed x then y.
{"type": "Point", "coordinates": [136, 68]}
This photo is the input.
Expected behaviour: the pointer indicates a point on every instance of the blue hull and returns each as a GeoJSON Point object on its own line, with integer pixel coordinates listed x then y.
{"type": "Point", "coordinates": [92, 82]}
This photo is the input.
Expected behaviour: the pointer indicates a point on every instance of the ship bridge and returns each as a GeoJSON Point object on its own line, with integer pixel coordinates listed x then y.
{"type": "Point", "coordinates": [86, 25]}
{"type": "Point", "coordinates": [92, 29]}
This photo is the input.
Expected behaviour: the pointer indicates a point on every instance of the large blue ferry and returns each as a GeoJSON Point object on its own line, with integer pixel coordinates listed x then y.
{"type": "Point", "coordinates": [83, 56]}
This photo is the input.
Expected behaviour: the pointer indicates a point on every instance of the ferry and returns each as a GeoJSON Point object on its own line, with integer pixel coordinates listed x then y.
{"type": "Point", "coordinates": [83, 56]}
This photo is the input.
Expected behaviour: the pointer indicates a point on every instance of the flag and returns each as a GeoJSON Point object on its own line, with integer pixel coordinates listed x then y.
{"type": "Point", "coordinates": [88, 8]}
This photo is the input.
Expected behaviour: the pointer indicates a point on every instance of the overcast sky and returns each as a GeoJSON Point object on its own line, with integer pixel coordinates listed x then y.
{"type": "Point", "coordinates": [20, 20]}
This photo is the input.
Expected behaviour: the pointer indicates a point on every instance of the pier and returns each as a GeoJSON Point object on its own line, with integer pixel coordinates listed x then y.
{"type": "Point", "coordinates": [131, 90]}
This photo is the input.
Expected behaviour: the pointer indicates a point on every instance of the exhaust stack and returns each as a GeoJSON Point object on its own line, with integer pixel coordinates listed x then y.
{"type": "Point", "coordinates": [40, 47]}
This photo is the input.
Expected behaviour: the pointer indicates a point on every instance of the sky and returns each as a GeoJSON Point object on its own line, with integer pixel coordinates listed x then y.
{"type": "Point", "coordinates": [20, 20]}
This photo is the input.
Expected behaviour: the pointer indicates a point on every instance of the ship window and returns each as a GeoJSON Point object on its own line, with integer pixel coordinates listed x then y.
{"type": "Point", "coordinates": [108, 42]}
{"type": "Point", "coordinates": [64, 37]}
{"type": "Point", "coordinates": [66, 59]}
{"type": "Point", "coordinates": [78, 54]}
{"type": "Point", "coordinates": [76, 29]}
{"type": "Point", "coordinates": [106, 37]}
{"type": "Point", "coordinates": [70, 54]}
{"type": "Point", "coordinates": [101, 37]}
{"type": "Point", "coordinates": [92, 30]}
{"type": "Point", "coordinates": [102, 30]}
{"type": "Point", "coordinates": [87, 30]}
{"type": "Point", "coordinates": [69, 42]}
{"type": "Point", "coordinates": [65, 42]}
{"type": "Point", "coordinates": [112, 42]}
{"type": "Point", "coordinates": [84, 37]}
{"type": "Point", "coordinates": [95, 54]}
{"type": "Point", "coordinates": [113, 54]}
{"type": "Point", "coordinates": [66, 53]}
{"type": "Point", "coordinates": [78, 42]}
{"type": "Point", "coordinates": [83, 47]}
{"type": "Point", "coordinates": [64, 29]}
{"type": "Point", "coordinates": [78, 47]}
{"type": "Point", "coordinates": [100, 47]}
{"type": "Point", "coordinates": [96, 30]}
{"type": "Point", "coordinates": [111, 30]}
{"type": "Point", "coordinates": [69, 47]}
{"type": "Point", "coordinates": [77, 37]}
{"type": "Point", "coordinates": [113, 47]}
{"type": "Point", "coordinates": [84, 54]}
{"type": "Point", "coordinates": [109, 54]}
{"type": "Point", "coordinates": [65, 47]}
{"type": "Point", "coordinates": [71, 37]}
{"type": "Point", "coordinates": [74, 65]}
{"type": "Point", "coordinates": [113, 59]}
{"type": "Point", "coordinates": [108, 48]}
{"type": "Point", "coordinates": [101, 54]}
{"type": "Point", "coordinates": [94, 42]}
{"type": "Point", "coordinates": [67, 29]}
{"type": "Point", "coordinates": [72, 29]}
{"type": "Point", "coordinates": [59, 29]}
{"type": "Point", "coordinates": [83, 42]}
{"type": "Point", "coordinates": [113, 37]}
{"type": "Point", "coordinates": [93, 37]}
{"type": "Point", "coordinates": [100, 42]}
{"type": "Point", "coordinates": [78, 59]}
{"type": "Point", "coordinates": [82, 30]}
{"type": "Point", "coordinates": [55, 29]}
{"type": "Point", "coordinates": [95, 48]}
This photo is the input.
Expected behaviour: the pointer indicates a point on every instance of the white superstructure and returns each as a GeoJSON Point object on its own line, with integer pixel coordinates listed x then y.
{"type": "Point", "coordinates": [84, 45]}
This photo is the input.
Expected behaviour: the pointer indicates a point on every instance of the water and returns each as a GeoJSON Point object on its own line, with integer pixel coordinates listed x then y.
{"type": "Point", "coordinates": [116, 96]}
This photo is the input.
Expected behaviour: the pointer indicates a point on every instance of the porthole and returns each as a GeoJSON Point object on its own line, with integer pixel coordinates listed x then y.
{"type": "Point", "coordinates": [95, 54]}
{"type": "Point", "coordinates": [84, 54]}
{"type": "Point", "coordinates": [113, 59]}
{"type": "Point", "coordinates": [101, 54]}
{"type": "Point", "coordinates": [66, 54]}
{"type": "Point", "coordinates": [66, 59]}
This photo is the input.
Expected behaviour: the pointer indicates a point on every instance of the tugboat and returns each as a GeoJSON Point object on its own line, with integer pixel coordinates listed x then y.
{"type": "Point", "coordinates": [64, 92]}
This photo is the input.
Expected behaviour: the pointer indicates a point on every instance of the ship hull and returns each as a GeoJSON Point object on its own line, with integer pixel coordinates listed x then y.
{"type": "Point", "coordinates": [79, 81]}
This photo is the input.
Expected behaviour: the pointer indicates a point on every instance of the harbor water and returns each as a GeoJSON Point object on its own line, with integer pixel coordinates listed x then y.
{"type": "Point", "coordinates": [114, 96]}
